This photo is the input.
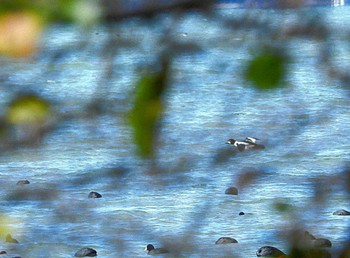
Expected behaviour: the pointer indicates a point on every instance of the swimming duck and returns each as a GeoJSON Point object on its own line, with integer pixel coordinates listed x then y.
{"type": "Point", "coordinates": [248, 144]}
{"type": "Point", "coordinates": [151, 250]}
{"type": "Point", "coordinates": [251, 139]}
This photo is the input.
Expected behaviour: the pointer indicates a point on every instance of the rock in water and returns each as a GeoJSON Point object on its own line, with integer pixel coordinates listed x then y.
{"type": "Point", "coordinates": [226, 240]}
{"type": "Point", "coordinates": [269, 251]}
{"type": "Point", "coordinates": [94, 195]}
{"type": "Point", "coordinates": [86, 252]}
{"type": "Point", "coordinates": [23, 182]}
{"type": "Point", "coordinates": [231, 190]}
{"type": "Point", "coordinates": [341, 212]}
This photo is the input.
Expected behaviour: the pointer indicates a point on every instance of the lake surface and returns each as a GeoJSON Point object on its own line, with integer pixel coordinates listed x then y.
{"type": "Point", "coordinates": [305, 128]}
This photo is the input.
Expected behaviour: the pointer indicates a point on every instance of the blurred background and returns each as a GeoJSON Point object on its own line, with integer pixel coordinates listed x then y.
{"type": "Point", "coordinates": [135, 100]}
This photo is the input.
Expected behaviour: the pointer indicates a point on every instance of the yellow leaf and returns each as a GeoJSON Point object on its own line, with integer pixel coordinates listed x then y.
{"type": "Point", "coordinates": [19, 33]}
{"type": "Point", "coordinates": [28, 109]}
{"type": "Point", "coordinates": [4, 226]}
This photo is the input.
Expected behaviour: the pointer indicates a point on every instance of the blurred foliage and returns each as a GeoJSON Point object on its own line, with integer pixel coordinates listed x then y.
{"type": "Point", "coordinates": [267, 69]}
{"type": "Point", "coordinates": [283, 207]}
{"type": "Point", "coordinates": [28, 109]}
{"type": "Point", "coordinates": [28, 117]}
{"type": "Point", "coordinates": [4, 228]}
{"type": "Point", "coordinates": [55, 10]}
{"type": "Point", "coordinates": [19, 33]}
{"type": "Point", "coordinates": [22, 21]}
{"type": "Point", "coordinates": [148, 108]}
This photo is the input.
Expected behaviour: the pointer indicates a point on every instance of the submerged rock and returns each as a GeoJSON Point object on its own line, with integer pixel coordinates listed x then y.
{"type": "Point", "coordinates": [94, 195]}
{"type": "Point", "coordinates": [226, 240]}
{"type": "Point", "coordinates": [269, 251]}
{"type": "Point", "coordinates": [86, 252]}
{"type": "Point", "coordinates": [231, 190]}
{"type": "Point", "coordinates": [23, 182]}
{"type": "Point", "coordinates": [341, 212]}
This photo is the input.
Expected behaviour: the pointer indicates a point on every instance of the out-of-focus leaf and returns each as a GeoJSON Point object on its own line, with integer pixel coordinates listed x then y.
{"type": "Point", "coordinates": [28, 109]}
{"type": "Point", "coordinates": [148, 109]}
{"type": "Point", "coordinates": [86, 12]}
{"type": "Point", "coordinates": [283, 207]}
{"type": "Point", "coordinates": [4, 228]}
{"type": "Point", "coordinates": [249, 176]}
{"type": "Point", "coordinates": [267, 70]}
{"type": "Point", "coordinates": [19, 33]}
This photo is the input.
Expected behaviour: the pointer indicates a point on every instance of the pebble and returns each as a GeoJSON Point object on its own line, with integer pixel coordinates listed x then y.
{"type": "Point", "coordinates": [226, 240]}
{"type": "Point", "coordinates": [341, 212]}
{"type": "Point", "coordinates": [231, 190]}
{"type": "Point", "coordinates": [86, 252]}
{"type": "Point", "coordinates": [269, 251]}
{"type": "Point", "coordinates": [94, 195]}
{"type": "Point", "coordinates": [23, 182]}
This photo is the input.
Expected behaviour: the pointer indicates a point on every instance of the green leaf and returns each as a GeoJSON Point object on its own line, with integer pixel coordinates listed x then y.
{"type": "Point", "coordinates": [267, 70]}
{"type": "Point", "coordinates": [28, 109]}
{"type": "Point", "coordinates": [283, 207]}
{"type": "Point", "coordinates": [147, 110]}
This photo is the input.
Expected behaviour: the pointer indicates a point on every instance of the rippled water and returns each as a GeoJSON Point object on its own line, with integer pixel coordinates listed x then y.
{"type": "Point", "coordinates": [304, 127]}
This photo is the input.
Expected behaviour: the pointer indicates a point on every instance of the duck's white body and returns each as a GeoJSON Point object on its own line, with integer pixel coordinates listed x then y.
{"type": "Point", "coordinates": [251, 139]}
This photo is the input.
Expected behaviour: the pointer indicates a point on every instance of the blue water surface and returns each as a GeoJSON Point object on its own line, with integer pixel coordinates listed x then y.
{"type": "Point", "coordinates": [182, 205]}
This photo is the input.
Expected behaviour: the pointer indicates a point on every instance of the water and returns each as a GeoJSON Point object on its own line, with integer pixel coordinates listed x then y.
{"type": "Point", "coordinates": [304, 127]}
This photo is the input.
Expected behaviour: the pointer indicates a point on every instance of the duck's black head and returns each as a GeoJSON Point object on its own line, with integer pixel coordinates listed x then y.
{"type": "Point", "coordinates": [149, 247]}
{"type": "Point", "coordinates": [231, 141]}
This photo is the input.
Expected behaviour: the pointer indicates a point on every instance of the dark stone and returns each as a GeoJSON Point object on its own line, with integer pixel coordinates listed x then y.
{"type": "Point", "coordinates": [226, 240]}
{"type": "Point", "coordinates": [269, 251]}
{"type": "Point", "coordinates": [231, 190]}
{"type": "Point", "coordinates": [341, 212]}
{"type": "Point", "coordinates": [86, 252]}
{"type": "Point", "coordinates": [322, 242]}
{"type": "Point", "coordinates": [94, 195]}
{"type": "Point", "coordinates": [241, 213]}
{"type": "Point", "coordinates": [23, 182]}
{"type": "Point", "coordinates": [9, 239]}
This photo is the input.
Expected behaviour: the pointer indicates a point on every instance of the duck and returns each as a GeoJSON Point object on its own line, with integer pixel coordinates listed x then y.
{"type": "Point", "coordinates": [251, 139]}
{"type": "Point", "coordinates": [152, 251]}
{"type": "Point", "coordinates": [250, 143]}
